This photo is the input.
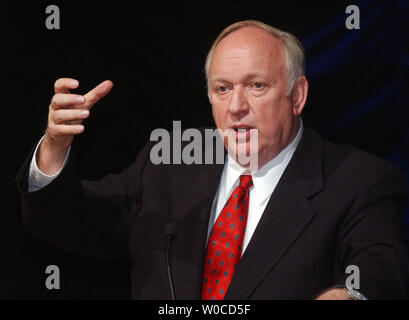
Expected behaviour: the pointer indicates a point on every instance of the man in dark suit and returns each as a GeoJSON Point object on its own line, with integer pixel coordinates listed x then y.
{"type": "Point", "coordinates": [288, 228]}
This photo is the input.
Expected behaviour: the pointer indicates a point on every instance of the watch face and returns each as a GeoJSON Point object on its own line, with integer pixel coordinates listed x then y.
{"type": "Point", "coordinates": [355, 295]}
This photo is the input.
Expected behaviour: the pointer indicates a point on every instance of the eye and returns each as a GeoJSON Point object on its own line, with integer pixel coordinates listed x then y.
{"type": "Point", "coordinates": [221, 89]}
{"type": "Point", "coordinates": [258, 85]}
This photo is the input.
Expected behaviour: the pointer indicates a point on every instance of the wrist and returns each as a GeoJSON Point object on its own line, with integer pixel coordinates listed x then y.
{"type": "Point", "coordinates": [352, 293]}
{"type": "Point", "coordinates": [334, 294]}
{"type": "Point", "coordinates": [50, 157]}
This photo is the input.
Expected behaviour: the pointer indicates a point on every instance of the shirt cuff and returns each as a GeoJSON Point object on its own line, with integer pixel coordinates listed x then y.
{"type": "Point", "coordinates": [36, 178]}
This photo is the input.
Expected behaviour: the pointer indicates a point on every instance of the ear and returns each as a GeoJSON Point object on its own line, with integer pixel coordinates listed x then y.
{"type": "Point", "coordinates": [299, 95]}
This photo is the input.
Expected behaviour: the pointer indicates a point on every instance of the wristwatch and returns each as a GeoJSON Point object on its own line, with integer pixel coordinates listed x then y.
{"type": "Point", "coordinates": [354, 294]}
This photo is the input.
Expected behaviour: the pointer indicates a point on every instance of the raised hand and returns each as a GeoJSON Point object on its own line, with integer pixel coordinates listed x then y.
{"type": "Point", "coordinates": [65, 116]}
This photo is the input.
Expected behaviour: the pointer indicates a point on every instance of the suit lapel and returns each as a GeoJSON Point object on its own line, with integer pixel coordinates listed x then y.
{"type": "Point", "coordinates": [287, 214]}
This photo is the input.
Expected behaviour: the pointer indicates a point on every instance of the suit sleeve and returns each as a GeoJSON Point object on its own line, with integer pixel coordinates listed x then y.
{"type": "Point", "coordinates": [372, 238]}
{"type": "Point", "coordinates": [85, 217]}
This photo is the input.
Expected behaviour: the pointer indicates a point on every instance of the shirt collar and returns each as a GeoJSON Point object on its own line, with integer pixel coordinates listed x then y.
{"type": "Point", "coordinates": [266, 178]}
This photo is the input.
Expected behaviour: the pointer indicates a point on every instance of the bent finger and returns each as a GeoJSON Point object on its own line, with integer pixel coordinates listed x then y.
{"type": "Point", "coordinates": [63, 115]}
{"type": "Point", "coordinates": [61, 100]}
{"type": "Point", "coordinates": [66, 130]}
{"type": "Point", "coordinates": [63, 85]}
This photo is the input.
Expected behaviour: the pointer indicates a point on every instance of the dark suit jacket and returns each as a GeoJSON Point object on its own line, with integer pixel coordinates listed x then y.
{"type": "Point", "coordinates": [334, 206]}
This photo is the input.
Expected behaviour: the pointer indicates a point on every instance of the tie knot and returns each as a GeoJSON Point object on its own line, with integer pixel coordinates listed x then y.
{"type": "Point", "coordinates": [245, 181]}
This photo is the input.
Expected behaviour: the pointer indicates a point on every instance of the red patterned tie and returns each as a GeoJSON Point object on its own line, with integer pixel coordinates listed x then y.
{"type": "Point", "coordinates": [225, 242]}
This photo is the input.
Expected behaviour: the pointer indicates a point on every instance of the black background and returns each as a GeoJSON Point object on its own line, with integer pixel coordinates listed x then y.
{"type": "Point", "coordinates": [154, 53]}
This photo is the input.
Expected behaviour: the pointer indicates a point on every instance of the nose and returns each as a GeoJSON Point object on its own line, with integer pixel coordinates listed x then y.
{"type": "Point", "coordinates": [238, 105]}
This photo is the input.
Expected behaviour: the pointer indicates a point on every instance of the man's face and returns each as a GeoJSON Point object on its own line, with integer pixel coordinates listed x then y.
{"type": "Point", "coordinates": [247, 89]}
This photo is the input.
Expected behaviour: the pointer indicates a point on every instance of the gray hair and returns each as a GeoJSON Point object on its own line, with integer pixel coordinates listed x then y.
{"type": "Point", "coordinates": [292, 47]}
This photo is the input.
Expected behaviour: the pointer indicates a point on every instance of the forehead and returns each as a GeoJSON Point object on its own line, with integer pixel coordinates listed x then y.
{"type": "Point", "coordinates": [247, 50]}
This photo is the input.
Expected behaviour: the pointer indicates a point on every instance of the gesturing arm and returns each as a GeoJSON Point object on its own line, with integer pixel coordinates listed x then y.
{"type": "Point", "coordinates": [85, 217]}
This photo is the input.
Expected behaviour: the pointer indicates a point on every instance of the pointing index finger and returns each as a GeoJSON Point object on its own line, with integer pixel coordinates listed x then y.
{"type": "Point", "coordinates": [97, 93]}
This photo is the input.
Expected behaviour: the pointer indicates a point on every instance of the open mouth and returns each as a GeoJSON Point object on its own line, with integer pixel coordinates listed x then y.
{"type": "Point", "coordinates": [242, 128]}
{"type": "Point", "coordinates": [242, 131]}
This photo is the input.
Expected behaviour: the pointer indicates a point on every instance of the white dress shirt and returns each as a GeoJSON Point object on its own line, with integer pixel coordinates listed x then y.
{"type": "Point", "coordinates": [264, 183]}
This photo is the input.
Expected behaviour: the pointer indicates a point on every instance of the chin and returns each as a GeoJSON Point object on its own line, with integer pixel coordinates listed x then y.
{"type": "Point", "coordinates": [245, 156]}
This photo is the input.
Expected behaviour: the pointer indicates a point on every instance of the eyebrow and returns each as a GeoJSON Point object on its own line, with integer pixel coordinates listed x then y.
{"type": "Point", "coordinates": [246, 78]}
{"type": "Point", "coordinates": [219, 79]}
